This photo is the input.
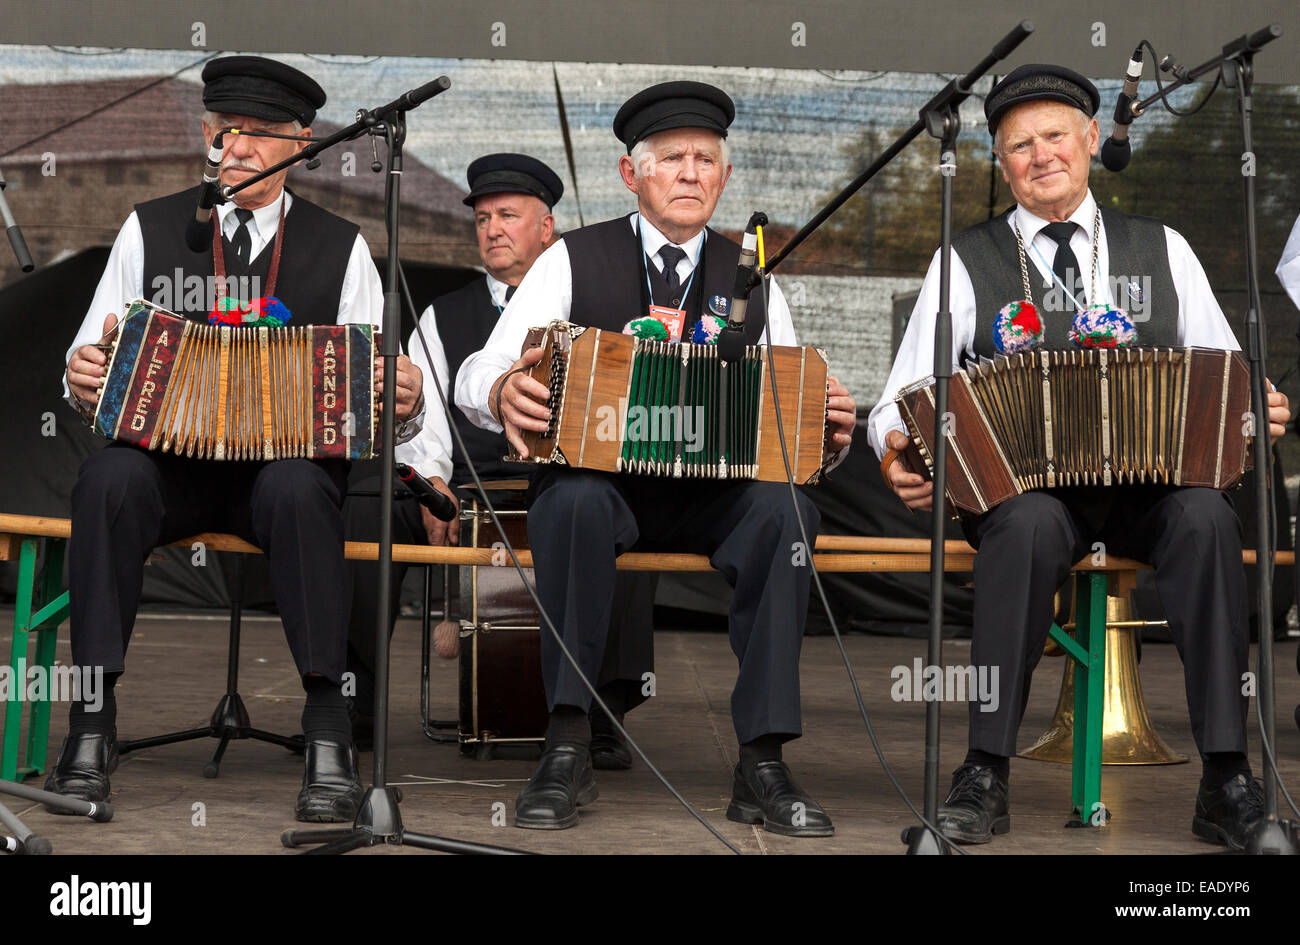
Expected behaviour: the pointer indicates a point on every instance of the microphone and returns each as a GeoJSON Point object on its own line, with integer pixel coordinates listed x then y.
{"type": "Point", "coordinates": [198, 234]}
{"type": "Point", "coordinates": [731, 340]}
{"type": "Point", "coordinates": [1116, 153]}
{"type": "Point", "coordinates": [16, 240]}
{"type": "Point", "coordinates": [439, 506]}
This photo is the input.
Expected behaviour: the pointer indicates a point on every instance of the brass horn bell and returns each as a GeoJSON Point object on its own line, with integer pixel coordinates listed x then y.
{"type": "Point", "coordinates": [1128, 737]}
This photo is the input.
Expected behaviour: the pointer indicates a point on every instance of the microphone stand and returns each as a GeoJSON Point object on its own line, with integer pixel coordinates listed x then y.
{"type": "Point", "coordinates": [1236, 68]}
{"type": "Point", "coordinates": [1275, 836]}
{"type": "Point", "coordinates": [940, 119]}
{"type": "Point", "coordinates": [379, 820]}
{"type": "Point", "coordinates": [15, 235]}
{"type": "Point", "coordinates": [20, 839]}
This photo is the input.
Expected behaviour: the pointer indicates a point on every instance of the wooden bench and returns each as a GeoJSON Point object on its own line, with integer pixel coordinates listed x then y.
{"type": "Point", "coordinates": [41, 605]}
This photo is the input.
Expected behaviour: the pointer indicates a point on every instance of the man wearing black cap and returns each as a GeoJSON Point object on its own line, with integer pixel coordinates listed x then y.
{"type": "Point", "coordinates": [1044, 135]}
{"type": "Point", "coordinates": [512, 196]}
{"type": "Point", "coordinates": [126, 501]}
{"type": "Point", "coordinates": [604, 276]}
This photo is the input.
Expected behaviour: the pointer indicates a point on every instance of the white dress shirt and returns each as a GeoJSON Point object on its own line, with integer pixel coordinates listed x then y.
{"type": "Point", "coordinates": [431, 451]}
{"type": "Point", "coordinates": [1288, 267]}
{"type": "Point", "coordinates": [361, 300]}
{"type": "Point", "coordinates": [546, 295]}
{"type": "Point", "coordinates": [1201, 322]}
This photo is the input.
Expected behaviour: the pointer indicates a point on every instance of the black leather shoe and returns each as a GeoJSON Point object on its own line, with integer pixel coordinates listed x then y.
{"type": "Point", "coordinates": [978, 806]}
{"type": "Point", "coordinates": [1231, 814]}
{"type": "Point", "coordinates": [331, 791]}
{"type": "Point", "coordinates": [770, 797]}
{"type": "Point", "coordinates": [609, 751]}
{"type": "Point", "coordinates": [85, 762]}
{"type": "Point", "coordinates": [561, 784]}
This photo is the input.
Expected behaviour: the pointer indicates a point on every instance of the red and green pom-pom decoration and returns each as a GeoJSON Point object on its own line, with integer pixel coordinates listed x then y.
{"type": "Point", "coordinates": [1102, 327]}
{"type": "Point", "coordinates": [1017, 328]}
{"type": "Point", "coordinates": [265, 312]}
{"type": "Point", "coordinates": [647, 327]}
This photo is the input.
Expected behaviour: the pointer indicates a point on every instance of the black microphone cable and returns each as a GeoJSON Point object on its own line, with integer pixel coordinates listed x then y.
{"type": "Point", "coordinates": [812, 562]}
{"type": "Point", "coordinates": [532, 591]}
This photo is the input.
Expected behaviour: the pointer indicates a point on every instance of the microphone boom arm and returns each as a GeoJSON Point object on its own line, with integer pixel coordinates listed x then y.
{"type": "Point", "coordinates": [363, 125]}
{"type": "Point", "coordinates": [954, 93]}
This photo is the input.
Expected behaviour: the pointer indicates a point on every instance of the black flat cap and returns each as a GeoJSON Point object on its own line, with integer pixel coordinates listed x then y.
{"type": "Point", "coordinates": [260, 88]}
{"type": "Point", "coordinates": [673, 105]}
{"type": "Point", "coordinates": [512, 174]}
{"type": "Point", "coordinates": [1039, 82]}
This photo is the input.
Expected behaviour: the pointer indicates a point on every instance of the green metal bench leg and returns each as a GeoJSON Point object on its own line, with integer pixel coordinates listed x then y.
{"type": "Point", "coordinates": [47, 638]}
{"type": "Point", "coordinates": [40, 607]}
{"type": "Point", "coordinates": [18, 659]}
{"type": "Point", "coordinates": [1089, 697]}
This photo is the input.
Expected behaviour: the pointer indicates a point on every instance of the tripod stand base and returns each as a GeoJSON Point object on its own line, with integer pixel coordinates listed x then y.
{"type": "Point", "coordinates": [1274, 838]}
{"type": "Point", "coordinates": [379, 821]}
{"type": "Point", "coordinates": [20, 840]}
{"type": "Point", "coordinates": [32, 846]}
{"type": "Point", "coordinates": [922, 841]}
{"type": "Point", "coordinates": [229, 723]}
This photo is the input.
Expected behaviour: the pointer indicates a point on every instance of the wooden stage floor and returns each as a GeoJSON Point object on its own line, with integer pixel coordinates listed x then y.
{"type": "Point", "coordinates": [176, 674]}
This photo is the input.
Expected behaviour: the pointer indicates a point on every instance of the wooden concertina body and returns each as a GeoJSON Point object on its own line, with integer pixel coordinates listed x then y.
{"type": "Point", "coordinates": [624, 404]}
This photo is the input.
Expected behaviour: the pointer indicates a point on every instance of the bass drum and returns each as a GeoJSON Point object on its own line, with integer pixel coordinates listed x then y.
{"type": "Point", "coordinates": [502, 699]}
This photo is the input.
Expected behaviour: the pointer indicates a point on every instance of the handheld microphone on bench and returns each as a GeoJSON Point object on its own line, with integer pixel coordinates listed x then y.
{"type": "Point", "coordinates": [439, 506]}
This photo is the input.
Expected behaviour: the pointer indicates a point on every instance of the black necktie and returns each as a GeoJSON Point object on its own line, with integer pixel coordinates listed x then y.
{"type": "Point", "coordinates": [242, 241]}
{"type": "Point", "coordinates": [510, 291]}
{"type": "Point", "coordinates": [672, 255]}
{"type": "Point", "coordinates": [1065, 265]}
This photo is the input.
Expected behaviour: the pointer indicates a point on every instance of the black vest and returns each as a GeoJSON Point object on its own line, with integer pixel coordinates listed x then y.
{"type": "Point", "coordinates": [313, 262]}
{"type": "Point", "coordinates": [465, 319]}
{"type": "Point", "coordinates": [609, 281]}
{"type": "Point", "coordinates": [1138, 254]}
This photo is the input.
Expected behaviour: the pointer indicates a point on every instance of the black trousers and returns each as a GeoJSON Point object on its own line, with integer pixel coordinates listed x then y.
{"type": "Point", "coordinates": [580, 521]}
{"type": "Point", "coordinates": [361, 523]}
{"type": "Point", "coordinates": [128, 501]}
{"type": "Point", "coordinates": [629, 656]}
{"type": "Point", "coordinates": [1191, 537]}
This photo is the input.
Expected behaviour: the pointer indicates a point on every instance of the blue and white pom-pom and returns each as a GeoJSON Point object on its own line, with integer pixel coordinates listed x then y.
{"type": "Point", "coordinates": [1102, 327]}
{"type": "Point", "coordinates": [1017, 327]}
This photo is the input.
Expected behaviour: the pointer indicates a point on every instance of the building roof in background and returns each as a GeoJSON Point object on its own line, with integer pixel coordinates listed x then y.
{"type": "Point", "coordinates": [158, 118]}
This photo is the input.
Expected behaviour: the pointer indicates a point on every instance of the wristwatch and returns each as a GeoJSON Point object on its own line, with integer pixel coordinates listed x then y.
{"type": "Point", "coordinates": [405, 430]}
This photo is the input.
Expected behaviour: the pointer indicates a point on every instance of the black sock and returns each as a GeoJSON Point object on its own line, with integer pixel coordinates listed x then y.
{"type": "Point", "coordinates": [612, 695]}
{"type": "Point", "coordinates": [569, 726]}
{"type": "Point", "coordinates": [999, 763]}
{"type": "Point", "coordinates": [1220, 767]}
{"type": "Point", "coordinates": [763, 748]}
{"type": "Point", "coordinates": [87, 719]}
{"type": "Point", "coordinates": [363, 698]}
{"type": "Point", "coordinates": [601, 724]}
{"type": "Point", "coordinates": [325, 716]}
